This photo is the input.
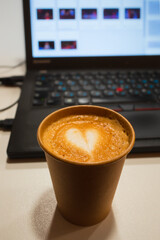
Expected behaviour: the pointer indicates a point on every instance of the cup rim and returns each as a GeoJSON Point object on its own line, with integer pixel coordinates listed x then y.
{"type": "Point", "coordinates": [119, 116]}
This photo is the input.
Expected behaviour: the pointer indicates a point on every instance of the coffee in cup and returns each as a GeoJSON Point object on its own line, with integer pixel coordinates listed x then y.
{"type": "Point", "coordinates": [86, 138]}
{"type": "Point", "coordinates": [85, 148]}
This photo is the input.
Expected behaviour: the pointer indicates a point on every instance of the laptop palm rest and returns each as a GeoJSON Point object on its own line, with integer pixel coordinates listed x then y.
{"type": "Point", "coordinates": [146, 124]}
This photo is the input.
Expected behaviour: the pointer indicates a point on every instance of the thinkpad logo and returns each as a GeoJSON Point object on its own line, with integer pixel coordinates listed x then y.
{"type": "Point", "coordinates": [41, 61]}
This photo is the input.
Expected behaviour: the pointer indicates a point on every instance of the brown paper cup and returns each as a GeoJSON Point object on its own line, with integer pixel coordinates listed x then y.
{"type": "Point", "coordinates": [84, 191]}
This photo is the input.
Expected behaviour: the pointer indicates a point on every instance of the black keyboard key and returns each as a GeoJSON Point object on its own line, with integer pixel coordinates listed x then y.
{"type": "Point", "coordinates": [144, 81]}
{"type": "Point", "coordinates": [42, 89]}
{"type": "Point", "coordinates": [59, 83]}
{"type": "Point", "coordinates": [51, 77]}
{"type": "Point", "coordinates": [95, 93]}
{"type": "Point", "coordinates": [62, 88]}
{"type": "Point", "coordinates": [156, 81]}
{"type": "Point", "coordinates": [69, 94]}
{"type": "Point", "coordinates": [108, 93]}
{"type": "Point", "coordinates": [112, 87]}
{"type": "Point", "coordinates": [75, 88]}
{"type": "Point", "coordinates": [88, 76]}
{"type": "Point", "coordinates": [127, 107]}
{"type": "Point", "coordinates": [84, 82]}
{"type": "Point", "coordinates": [139, 86]}
{"type": "Point", "coordinates": [41, 78]}
{"type": "Point", "coordinates": [71, 83]}
{"type": "Point", "coordinates": [69, 101]}
{"type": "Point", "coordinates": [101, 77]}
{"type": "Point", "coordinates": [157, 91]}
{"type": "Point", "coordinates": [39, 95]}
{"type": "Point", "coordinates": [109, 82]}
{"type": "Point", "coordinates": [53, 101]}
{"type": "Point", "coordinates": [82, 94]}
{"type": "Point", "coordinates": [39, 84]}
{"type": "Point", "coordinates": [126, 86]}
{"type": "Point", "coordinates": [151, 86]}
{"type": "Point", "coordinates": [95, 82]}
{"type": "Point", "coordinates": [121, 93]}
{"type": "Point", "coordinates": [83, 100]}
{"type": "Point", "coordinates": [101, 87]}
{"type": "Point", "coordinates": [148, 106]}
{"type": "Point", "coordinates": [38, 102]}
{"type": "Point", "coordinates": [122, 99]}
{"type": "Point", "coordinates": [88, 87]}
{"type": "Point", "coordinates": [55, 95]}
{"type": "Point", "coordinates": [64, 77]}
{"type": "Point", "coordinates": [146, 92]}
{"type": "Point", "coordinates": [134, 92]}
{"type": "Point", "coordinates": [76, 76]}
{"type": "Point", "coordinates": [131, 81]}
{"type": "Point", "coordinates": [114, 107]}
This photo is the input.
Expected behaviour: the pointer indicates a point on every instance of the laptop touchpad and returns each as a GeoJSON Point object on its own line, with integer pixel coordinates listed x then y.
{"type": "Point", "coordinates": [146, 124]}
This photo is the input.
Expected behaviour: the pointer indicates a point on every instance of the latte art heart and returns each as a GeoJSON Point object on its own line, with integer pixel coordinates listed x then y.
{"type": "Point", "coordinates": [85, 138]}
{"type": "Point", "coordinates": [86, 141]}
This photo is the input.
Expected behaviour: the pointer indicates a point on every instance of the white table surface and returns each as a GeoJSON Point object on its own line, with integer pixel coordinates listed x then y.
{"type": "Point", "coordinates": [28, 207]}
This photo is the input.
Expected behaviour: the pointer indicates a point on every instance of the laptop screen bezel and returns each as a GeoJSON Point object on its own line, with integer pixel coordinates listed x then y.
{"type": "Point", "coordinates": [125, 62]}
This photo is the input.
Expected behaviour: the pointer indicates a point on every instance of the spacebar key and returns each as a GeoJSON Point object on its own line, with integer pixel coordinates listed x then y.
{"type": "Point", "coordinates": [122, 100]}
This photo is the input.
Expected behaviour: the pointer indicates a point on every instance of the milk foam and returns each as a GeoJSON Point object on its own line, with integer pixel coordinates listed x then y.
{"type": "Point", "coordinates": [86, 141]}
{"type": "Point", "coordinates": [86, 138]}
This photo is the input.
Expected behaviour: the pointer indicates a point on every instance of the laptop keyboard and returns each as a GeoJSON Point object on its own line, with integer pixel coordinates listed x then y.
{"type": "Point", "coordinates": [121, 91]}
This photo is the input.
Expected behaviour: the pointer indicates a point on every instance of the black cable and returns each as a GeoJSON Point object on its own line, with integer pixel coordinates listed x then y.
{"type": "Point", "coordinates": [12, 81]}
{"type": "Point", "coordinates": [8, 107]}
{"type": "Point", "coordinates": [12, 67]}
{"type": "Point", "coordinates": [6, 124]}
{"type": "Point", "coordinates": [16, 81]}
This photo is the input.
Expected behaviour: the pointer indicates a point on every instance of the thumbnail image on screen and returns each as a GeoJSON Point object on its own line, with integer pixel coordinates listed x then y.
{"type": "Point", "coordinates": [45, 14]}
{"type": "Point", "coordinates": [132, 13]}
{"type": "Point", "coordinates": [68, 44]}
{"type": "Point", "coordinates": [111, 13]}
{"type": "Point", "coordinates": [67, 13]}
{"type": "Point", "coordinates": [89, 13]}
{"type": "Point", "coordinates": [46, 45]}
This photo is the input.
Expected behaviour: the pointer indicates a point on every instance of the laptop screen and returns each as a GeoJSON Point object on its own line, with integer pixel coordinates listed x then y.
{"type": "Point", "coordinates": [94, 28]}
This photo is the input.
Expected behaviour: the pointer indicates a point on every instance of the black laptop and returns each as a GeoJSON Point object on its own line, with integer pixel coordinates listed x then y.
{"type": "Point", "coordinates": [81, 52]}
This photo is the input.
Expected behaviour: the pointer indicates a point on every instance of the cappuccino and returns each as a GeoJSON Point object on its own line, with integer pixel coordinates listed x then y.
{"type": "Point", "coordinates": [85, 148]}
{"type": "Point", "coordinates": [85, 138]}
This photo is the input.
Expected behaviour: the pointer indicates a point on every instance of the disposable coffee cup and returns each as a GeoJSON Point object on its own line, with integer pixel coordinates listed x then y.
{"type": "Point", "coordinates": [85, 190]}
